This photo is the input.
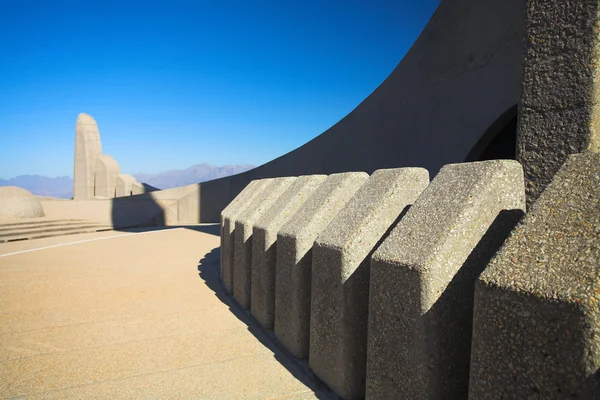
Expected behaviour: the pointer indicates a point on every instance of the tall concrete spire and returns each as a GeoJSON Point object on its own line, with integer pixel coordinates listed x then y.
{"type": "Point", "coordinates": [87, 150]}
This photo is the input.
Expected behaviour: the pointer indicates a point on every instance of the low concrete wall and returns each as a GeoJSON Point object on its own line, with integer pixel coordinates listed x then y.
{"type": "Point", "coordinates": [418, 296]}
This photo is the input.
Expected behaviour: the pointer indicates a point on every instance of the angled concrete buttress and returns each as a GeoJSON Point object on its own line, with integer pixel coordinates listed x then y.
{"type": "Point", "coordinates": [536, 323]}
{"type": "Point", "coordinates": [242, 248]}
{"type": "Point", "coordinates": [264, 246]}
{"type": "Point", "coordinates": [228, 218]}
{"type": "Point", "coordinates": [87, 150]}
{"type": "Point", "coordinates": [340, 276]}
{"type": "Point", "coordinates": [423, 276]}
{"type": "Point", "coordinates": [294, 258]}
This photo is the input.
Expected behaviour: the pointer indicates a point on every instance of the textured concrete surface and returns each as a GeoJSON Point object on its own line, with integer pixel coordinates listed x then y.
{"type": "Point", "coordinates": [536, 324]}
{"type": "Point", "coordinates": [124, 185]}
{"type": "Point", "coordinates": [105, 179]}
{"type": "Point", "coordinates": [423, 277]}
{"type": "Point", "coordinates": [294, 258]}
{"type": "Point", "coordinates": [118, 316]}
{"type": "Point", "coordinates": [16, 202]}
{"type": "Point", "coordinates": [460, 76]}
{"type": "Point", "coordinates": [559, 110]}
{"type": "Point", "coordinates": [87, 150]}
{"type": "Point", "coordinates": [340, 276]}
{"type": "Point", "coordinates": [242, 247]}
{"type": "Point", "coordinates": [264, 246]}
{"type": "Point", "coordinates": [228, 218]}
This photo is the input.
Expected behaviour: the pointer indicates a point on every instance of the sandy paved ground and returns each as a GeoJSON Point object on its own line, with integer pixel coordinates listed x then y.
{"type": "Point", "coordinates": [127, 315]}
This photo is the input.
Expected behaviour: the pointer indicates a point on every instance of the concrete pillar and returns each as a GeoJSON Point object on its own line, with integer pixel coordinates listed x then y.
{"type": "Point", "coordinates": [228, 217]}
{"type": "Point", "coordinates": [264, 246]}
{"type": "Point", "coordinates": [294, 258]}
{"type": "Point", "coordinates": [559, 109]}
{"type": "Point", "coordinates": [423, 277]}
{"type": "Point", "coordinates": [124, 185]}
{"type": "Point", "coordinates": [138, 188]}
{"type": "Point", "coordinates": [340, 276]}
{"type": "Point", "coordinates": [87, 150]}
{"type": "Point", "coordinates": [106, 172]}
{"type": "Point", "coordinates": [536, 322]}
{"type": "Point", "coordinates": [242, 251]}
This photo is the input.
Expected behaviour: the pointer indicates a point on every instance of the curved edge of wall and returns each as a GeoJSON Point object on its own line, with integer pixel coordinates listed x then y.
{"type": "Point", "coordinates": [462, 74]}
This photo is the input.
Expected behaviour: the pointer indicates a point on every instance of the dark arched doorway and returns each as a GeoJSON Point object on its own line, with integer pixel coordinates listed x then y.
{"type": "Point", "coordinates": [499, 142]}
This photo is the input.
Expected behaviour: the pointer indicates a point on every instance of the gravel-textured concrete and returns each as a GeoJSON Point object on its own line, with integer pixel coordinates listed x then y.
{"type": "Point", "coordinates": [294, 258]}
{"type": "Point", "coordinates": [340, 276]}
{"type": "Point", "coordinates": [558, 113]}
{"type": "Point", "coordinates": [264, 246]}
{"type": "Point", "coordinates": [536, 325]}
{"type": "Point", "coordinates": [228, 217]}
{"type": "Point", "coordinates": [242, 246]}
{"type": "Point", "coordinates": [127, 316]}
{"type": "Point", "coordinates": [423, 276]}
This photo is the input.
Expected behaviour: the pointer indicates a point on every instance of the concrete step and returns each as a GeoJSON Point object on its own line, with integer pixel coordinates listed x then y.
{"type": "Point", "coordinates": [41, 229]}
{"type": "Point", "coordinates": [52, 224]}
{"type": "Point", "coordinates": [51, 233]}
{"type": "Point", "coordinates": [37, 222]}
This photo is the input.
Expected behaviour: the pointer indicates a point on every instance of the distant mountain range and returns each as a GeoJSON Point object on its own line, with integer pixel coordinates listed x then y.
{"type": "Point", "coordinates": [62, 187]}
{"type": "Point", "coordinates": [194, 174]}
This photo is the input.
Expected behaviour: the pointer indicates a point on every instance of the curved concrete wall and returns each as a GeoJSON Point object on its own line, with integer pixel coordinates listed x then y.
{"type": "Point", "coordinates": [460, 76]}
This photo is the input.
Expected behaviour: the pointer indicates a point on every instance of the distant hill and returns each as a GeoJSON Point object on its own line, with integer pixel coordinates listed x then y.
{"type": "Point", "coordinates": [194, 174]}
{"type": "Point", "coordinates": [62, 187]}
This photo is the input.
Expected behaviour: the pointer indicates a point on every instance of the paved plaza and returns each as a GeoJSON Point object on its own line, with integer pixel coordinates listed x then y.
{"type": "Point", "coordinates": [132, 314]}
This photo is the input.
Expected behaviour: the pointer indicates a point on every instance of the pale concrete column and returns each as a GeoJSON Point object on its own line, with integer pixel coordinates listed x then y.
{"type": "Point", "coordinates": [106, 172]}
{"type": "Point", "coordinates": [124, 185]}
{"type": "Point", "coordinates": [536, 323]}
{"type": "Point", "coordinates": [559, 110]}
{"type": "Point", "coordinates": [340, 276]}
{"type": "Point", "coordinates": [228, 217]}
{"type": "Point", "coordinates": [423, 277]}
{"type": "Point", "coordinates": [264, 246]}
{"type": "Point", "coordinates": [138, 188]}
{"type": "Point", "coordinates": [242, 250]}
{"type": "Point", "coordinates": [87, 150]}
{"type": "Point", "coordinates": [294, 258]}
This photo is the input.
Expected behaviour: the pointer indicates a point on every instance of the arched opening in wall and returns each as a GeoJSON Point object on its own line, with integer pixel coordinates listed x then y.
{"type": "Point", "coordinates": [499, 142]}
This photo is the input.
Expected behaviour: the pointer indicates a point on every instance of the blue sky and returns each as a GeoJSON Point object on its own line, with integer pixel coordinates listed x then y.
{"type": "Point", "coordinates": [173, 83]}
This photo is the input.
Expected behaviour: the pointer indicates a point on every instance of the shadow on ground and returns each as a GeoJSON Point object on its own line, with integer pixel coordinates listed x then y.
{"type": "Point", "coordinates": [211, 229]}
{"type": "Point", "coordinates": [208, 269]}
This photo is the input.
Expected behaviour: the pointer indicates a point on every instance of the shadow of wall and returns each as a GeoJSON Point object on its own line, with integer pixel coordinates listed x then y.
{"type": "Point", "coordinates": [137, 211]}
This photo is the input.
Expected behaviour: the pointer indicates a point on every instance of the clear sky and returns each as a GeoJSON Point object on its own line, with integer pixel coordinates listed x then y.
{"type": "Point", "coordinates": [176, 83]}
